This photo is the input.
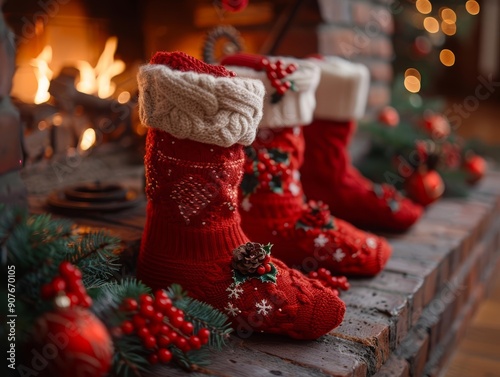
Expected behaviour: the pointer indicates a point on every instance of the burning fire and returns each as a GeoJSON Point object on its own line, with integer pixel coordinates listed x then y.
{"type": "Point", "coordinates": [98, 80]}
{"type": "Point", "coordinates": [43, 74]}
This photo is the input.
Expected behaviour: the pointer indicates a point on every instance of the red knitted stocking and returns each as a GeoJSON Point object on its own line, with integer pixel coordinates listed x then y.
{"type": "Point", "coordinates": [305, 235]}
{"type": "Point", "coordinates": [193, 235]}
{"type": "Point", "coordinates": [328, 174]}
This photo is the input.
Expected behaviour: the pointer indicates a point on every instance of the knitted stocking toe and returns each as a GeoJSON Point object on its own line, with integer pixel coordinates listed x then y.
{"type": "Point", "coordinates": [199, 115]}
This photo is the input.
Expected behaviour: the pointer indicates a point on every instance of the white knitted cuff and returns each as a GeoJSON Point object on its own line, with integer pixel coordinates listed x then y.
{"type": "Point", "coordinates": [343, 89]}
{"type": "Point", "coordinates": [213, 110]}
{"type": "Point", "coordinates": [296, 107]}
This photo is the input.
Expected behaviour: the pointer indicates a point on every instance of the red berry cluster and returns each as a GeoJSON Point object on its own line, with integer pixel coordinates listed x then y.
{"type": "Point", "coordinates": [161, 325]}
{"type": "Point", "coordinates": [69, 283]}
{"type": "Point", "coordinates": [266, 168]}
{"type": "Point", "coordinates": [326, 278]}
{"type": "Point", "coordinates": [265, 267]}
{"type": "Point", "coordinates": [276, 72]}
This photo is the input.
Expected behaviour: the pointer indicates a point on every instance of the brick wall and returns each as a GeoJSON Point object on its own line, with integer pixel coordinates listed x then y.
{"type": "Point", "coordinates": [361, 30]}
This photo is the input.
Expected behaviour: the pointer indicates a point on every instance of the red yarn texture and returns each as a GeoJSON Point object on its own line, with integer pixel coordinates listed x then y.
{"type": "Point", "coordinates": [193, 225]}
{"type": "Point", "coordinates": [328, 174]}
{"type": "Point", "coordinates": [305, 235]}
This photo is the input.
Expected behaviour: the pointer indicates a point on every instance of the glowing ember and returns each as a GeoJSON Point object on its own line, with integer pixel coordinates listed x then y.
{"type": "Point", "coordinates": [98, 80]}
{"type": "Point", "coordinates": [43, 74]}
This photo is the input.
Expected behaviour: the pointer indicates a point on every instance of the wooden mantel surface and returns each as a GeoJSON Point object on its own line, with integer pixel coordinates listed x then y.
{"type": "Point", "coordinates": [404, 322]}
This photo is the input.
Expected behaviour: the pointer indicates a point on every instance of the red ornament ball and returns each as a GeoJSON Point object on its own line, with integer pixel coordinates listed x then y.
{"type": "Point", "coordinates": [425, 187]}
{"type": "Point", "coordinates": [475, 166]}
{"type": "Point", "coordinates": [73, 339]}
{"type": "Point", "coordinates": [437, 126]}
{"type": "Point", "coordinates": [389, 116]}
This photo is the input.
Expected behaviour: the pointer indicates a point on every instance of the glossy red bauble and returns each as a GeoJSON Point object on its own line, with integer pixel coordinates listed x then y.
{"type": "Point", "coordinates": [425, 187]}
{"type": "Point", "coordinates": [389, 116]}
{"type": "Point", "coordinates": [475, 167]}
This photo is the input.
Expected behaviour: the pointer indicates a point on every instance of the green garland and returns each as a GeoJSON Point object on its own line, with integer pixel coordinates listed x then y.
{"type": "Point", "coordinates": [37, 244]}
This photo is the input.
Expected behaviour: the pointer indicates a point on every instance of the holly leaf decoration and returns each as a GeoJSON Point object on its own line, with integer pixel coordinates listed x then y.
{"type": "Point", "coordinates": [267, 248]}
{"type": "Point", "coordinates": [249, 184]}
{"type": "Point", "coordinates": [279, 156]}
{"type": "Point", "coordinates": [270, 277]}
{"type": "Point", "coordinates": [276, 185]}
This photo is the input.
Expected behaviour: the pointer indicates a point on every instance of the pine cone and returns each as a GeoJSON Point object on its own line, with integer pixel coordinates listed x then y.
{"type": "Point", "coordinates": [247, 258]}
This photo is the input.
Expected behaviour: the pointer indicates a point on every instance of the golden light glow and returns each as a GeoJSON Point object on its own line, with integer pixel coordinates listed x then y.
{"type": "Point", "coordinates": [57, 119]}
{"type": "Point", "coordinates": [447, 57]}
{"type": "Point", "coordinates": [88, 139]}
{"type": "Point", "coordinates": [424, 6]}
{"type": "Point", "coordinates": [431, 24]}
{"type": "Point", "coordinates": [97, 80]}
{"type": "Point", "coordinates": [448, 29]}
{"type": "Point", "coordinates": [412, 84]}
{"type": "Point", "coordinates": [42, 125]}
{"type": "Point", "coordinates": [472, 7]}
{"type": "Point", "coordinates": [123, 97]}
{"type": "Point", "coordinates": [448, 15]}
{"type": "Point", "coordinates": [413, 72]}
{"type": "Point", "coordinates": [43, 74]}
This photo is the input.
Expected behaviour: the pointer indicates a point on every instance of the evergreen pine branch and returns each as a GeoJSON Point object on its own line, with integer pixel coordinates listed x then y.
{"type": "Point", "coordinates": [189, 361]}
{"type": "Point", "coordinates": [129, 359]}
{"type": "Point", "coordinates": [94, 254]}
{"type": "Point", "coordinates": [202, 315]}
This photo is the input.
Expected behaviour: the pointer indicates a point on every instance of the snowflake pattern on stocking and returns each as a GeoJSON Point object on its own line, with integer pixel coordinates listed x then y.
{"type": "Point", "coordinates": [338, 255]}
{"type": "Point", "coordinates": [321, 241]}
{"type": "Point", "coordinates": [263, 307]}
{"type": "Point", "coordinates": [234, 291]}
{"type": "Point", "coordinates": [232, 310]}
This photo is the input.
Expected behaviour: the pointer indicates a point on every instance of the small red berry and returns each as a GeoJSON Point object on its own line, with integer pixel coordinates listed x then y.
{"type": "Point", "coordinates": [138, 321]}
{"type": "Point", "coordinates": [204, 334]}
{"type": "Point", "coordinates": [291, 68]}
{"type": "Point", "coordinates": [127, 327]}
{"type": "Point", "coordinates": [154, 328]}
{"type": "Point", "coordinates": [264, 185]}
{"type": "Point", "coordinates": [195, 342]}
{"type": "Point", "coordinates": [342, 279]}
{"type": "Point", "coordinates": [149, 342]}
{"type": "Point", "coordinates": [264, 63]}
{"type": "Point", "coordinates": [161, 294]}
{"type": "Point", "coordinates": [287, 84]}
{"type": "Point", "coordinates": [279, 63]}
{"type": "Point", "coordinates": [273, 169]}
{"type": "Point", "coordinates": [77, 274]}
{"type": "Point", "coordinates": [281, 90]}
{"type": "Point", "coordinates": [273, 67]}
{"type": "Point", "coordinates": [164, 355]}
{"type": "Point", "coordinates": [187, 328]}
{"type": "Point", "coordinates": [73, 299]}
{"type": "Point", "coordinates": [143, 332]}
{"type": "Point", "coordinates": [267, 259]}
{"type": "Point", "coordinates": [147, 310]}
{"type": "Point", "coordinates": [335, 292]}
{"type": "Point", "coordinates": [130, 304]}
{"type": "Point", "coordinates": [177, 321]}
{"type": "Point", "coordinates": [158, 317]}
{"type": "Point", "coordinates": [153, 359]}
{"type": "Point", "coordinates": [164, 341]}
{"type": "Point", "coordinates": [164, 329]}
{"type": "Point", "coordinates": [268, 267]}
{"type": "Point", "coordinates": [261, 270]}
{"type": "Point", "coordinates": [333, 281]}
{"type": "Point", "coordinates": [249, 168]}
{"type": "Point", "coordinates": [58, 284]}
{"type": "Point", "coordinates": [313, 275]}
{"type": "Point", "coordinates": [182, 344]}
{"type": "Point", "coordinates": [86, 302]}
{"type": "Point", "coordinates": [281, 73]}
{"type": "Point", "coordinates": [173, 336]}
{"type": "Point", "coordinates": [276, 83]}
{"type": "Point", "coordinates": [345, 286]}
{"type": "Point", "coordinates": [261, 167]}
{"type": "Point", "coordinates": [171, 312]}
{"type": "Point", "coordinates": [66, 269]}
{"type": "Point", "coordinates": [271, 75]}
{"type": "Point", "coordinates": [146, 299]}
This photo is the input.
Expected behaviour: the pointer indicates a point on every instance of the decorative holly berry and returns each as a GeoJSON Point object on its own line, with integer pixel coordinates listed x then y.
{"type": "Point", "coordinates": [204, 334]}
{"type": "Point", "coordinates": [164, 355]}
{"type": "Point", "coordinates": [424, 186]}
{"type": "Point", "coordinates": [129, 304]}
{"type": "Point", "coordinates": [437, 126]}
{"type": "Point", "coordinates": [187, 328]}
{"type": "Point", "coordinates": [153, 359]}
{"type": "Point", "coordinates": [475, 166]}
{"type": "Point", "coordinates": [389, 116]}
{"type": "Point", "coordinates": [127, 327]}
{"type": "Point", "coordinates": [333, 282]}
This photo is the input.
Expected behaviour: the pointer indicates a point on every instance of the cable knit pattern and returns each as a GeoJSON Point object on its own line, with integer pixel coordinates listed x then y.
{"type": "Point", "coordinates": [296, 107]}
{"type": "Point", "coordinates": [200, 107]}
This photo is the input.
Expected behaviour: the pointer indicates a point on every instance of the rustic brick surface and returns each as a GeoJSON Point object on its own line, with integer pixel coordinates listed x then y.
{"type": "Point", "coordinates": [394, 367]}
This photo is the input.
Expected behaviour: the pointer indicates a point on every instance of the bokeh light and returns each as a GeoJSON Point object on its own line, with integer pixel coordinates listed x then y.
{"type": "Point", "coordinates": [447, 57]}
{"type": "Point", "coordinates": [412, 80]}
{"type": "Point", "coordinates": [448, 15]}
{"type": "Point", "coordinates": [448, 29]}
{"type": "Point", "coordinates": [431, 24]}
{"type": "Point", "coordinates": [472, 7]}
{"type": "Point", "coordinates": [424, 6]}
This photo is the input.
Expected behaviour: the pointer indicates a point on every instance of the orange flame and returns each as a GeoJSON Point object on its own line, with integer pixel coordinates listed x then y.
{"type": "Point", "coordinates": [43, 74]}
{"type": "Point", "coordinates": [97, 80]}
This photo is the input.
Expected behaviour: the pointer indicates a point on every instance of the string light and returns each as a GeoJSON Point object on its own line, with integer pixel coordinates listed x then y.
{"type": "Point", "coordinates": [431, 24]}
{"type": "Point", "coordinates": [447, 57]}
{"type": "Point", "coordinates": [472, 7]}
{"type": "Point", "coordinates": [424, 6]}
